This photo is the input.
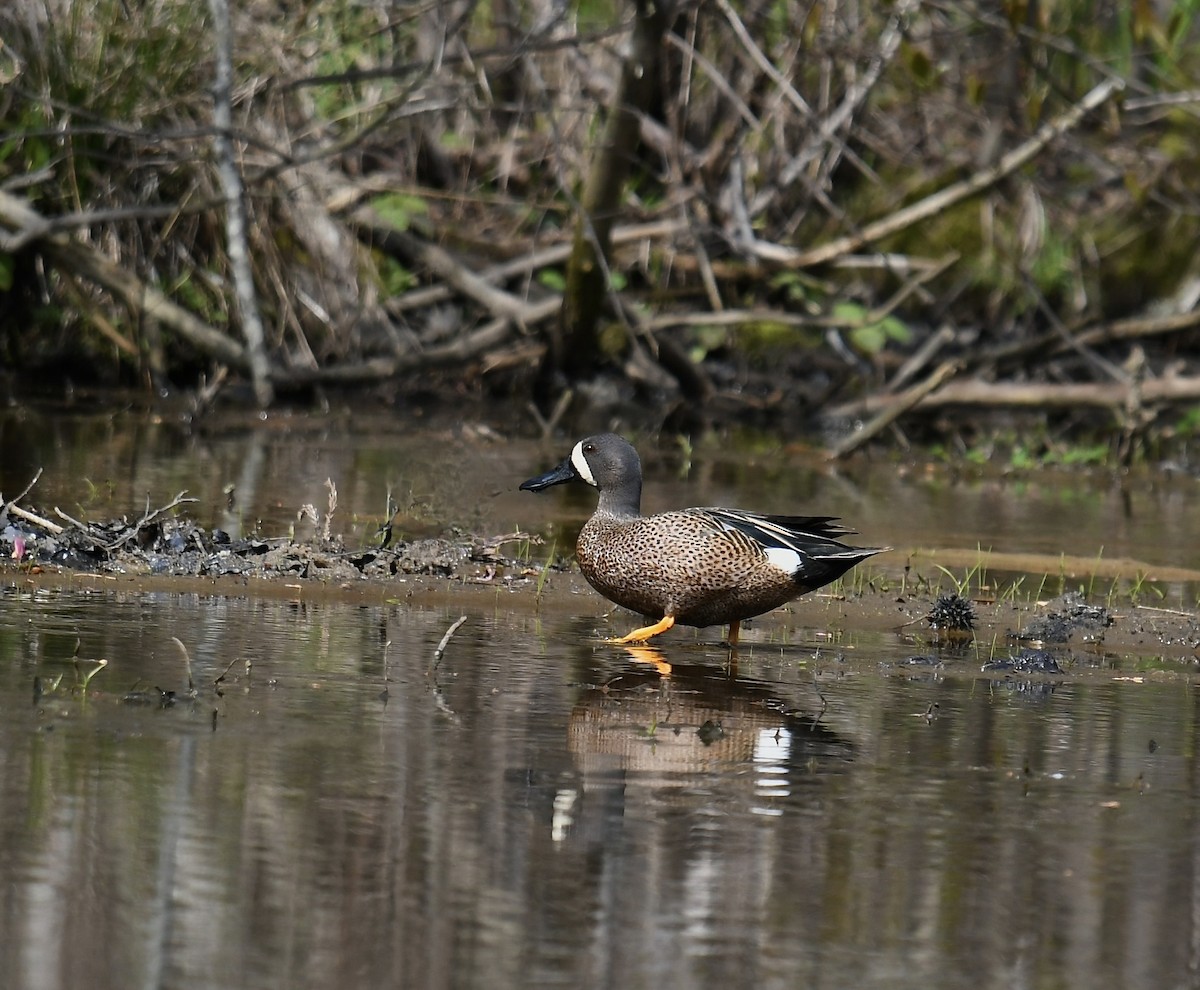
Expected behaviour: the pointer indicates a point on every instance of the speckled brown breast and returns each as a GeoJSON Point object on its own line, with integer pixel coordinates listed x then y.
{"type": "Point", "coordinates": [681, 563]}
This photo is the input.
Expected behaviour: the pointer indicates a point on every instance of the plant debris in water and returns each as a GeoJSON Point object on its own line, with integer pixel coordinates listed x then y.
{"type": "Point", "coordinates": [953, 614]}
{"type": "Point", "coordinates": [1066, 616]}
{"type": "Point", "coordinates": [1025, 662]}
{"type": "Point", "coordinates": [179, 547]}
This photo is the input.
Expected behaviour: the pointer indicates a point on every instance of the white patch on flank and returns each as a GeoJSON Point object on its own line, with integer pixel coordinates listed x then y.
{"type": "Point", "coordinates": [581, 465]}
{"type": "Point", "coordinates": [783, 558]}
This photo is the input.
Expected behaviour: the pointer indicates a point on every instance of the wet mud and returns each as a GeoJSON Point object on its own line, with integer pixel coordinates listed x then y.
{"type": "Point", "coordinates": [1062, 635]}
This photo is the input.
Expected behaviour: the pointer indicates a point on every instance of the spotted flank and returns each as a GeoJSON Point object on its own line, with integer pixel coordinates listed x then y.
{"type": "Point", "coordinates": [693, 567]}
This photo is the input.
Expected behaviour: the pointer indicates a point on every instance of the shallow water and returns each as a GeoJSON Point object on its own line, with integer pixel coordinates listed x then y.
{"type": "Point", "coordinates": [540, 810]}
{"type": "Point", "coordinates": [537, 808]}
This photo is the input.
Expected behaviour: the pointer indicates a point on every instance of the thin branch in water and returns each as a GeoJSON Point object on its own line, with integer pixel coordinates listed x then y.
{"type": "Point", "coordinates": [187, 663]}
{"type": "Point", "coordinates": [221, 676]}
{"type": "Point", "coordinates": [441, 647]}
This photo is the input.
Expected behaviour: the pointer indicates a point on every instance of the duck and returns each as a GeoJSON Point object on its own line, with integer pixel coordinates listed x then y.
{"type": "Point", "coordinates": [692, 567]}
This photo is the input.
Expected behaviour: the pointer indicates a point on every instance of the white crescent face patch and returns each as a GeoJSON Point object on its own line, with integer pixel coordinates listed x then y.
{"type": "Point", "coordinates": [579, 462]}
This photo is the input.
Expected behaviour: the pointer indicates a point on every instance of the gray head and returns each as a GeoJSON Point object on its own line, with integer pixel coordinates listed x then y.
{"type": "Point", "coordinates": [609, 464]}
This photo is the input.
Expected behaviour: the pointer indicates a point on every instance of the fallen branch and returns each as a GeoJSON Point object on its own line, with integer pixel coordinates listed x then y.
{"type": "Point", "coordinates": [443, 264]}
{"type": "Point", "coordinates": [890, 413]}
{"type": "Point", "coordinates": [1031, 395]}
{"type": "Point", "coordinates": [530, 261]}
{"type": "Point", "coordinates": [35, 519]}
{"type": "Point", "coordinates": [143, 299]}
{"type": "Point", "coordinates": [463, 348]}
{"type": "Point", "coordinates": [941, 201]}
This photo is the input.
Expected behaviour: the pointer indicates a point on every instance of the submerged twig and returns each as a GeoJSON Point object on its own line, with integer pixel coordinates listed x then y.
{"type": "Point", "coordinates": [221, 676]}
{"type": "Point", "coordinates": [441, 647]}
{"type": "Point", "coordinates": [187, 663]}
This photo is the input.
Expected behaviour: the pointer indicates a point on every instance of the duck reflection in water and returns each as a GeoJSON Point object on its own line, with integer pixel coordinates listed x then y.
{"type": "Point", "coordinates": [678, 740]}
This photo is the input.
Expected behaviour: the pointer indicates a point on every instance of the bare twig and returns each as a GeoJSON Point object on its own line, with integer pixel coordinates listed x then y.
{"type": "Point", "coordinates": [921, 357]}
{"type": "Point", "coordinates": [187, 665]}
{"type": "Point", "coordinates": [547, 424]}
{"type": "Point", "coordinates": [81, 526]}
{"type": "Point", "coordinates": [25, 491]}
{"type": "Point", "coordinates": [890, 413]}
{"type": "Point", "coordinates": [33, 517]}
{"type": "Point", "coordinates": [441, 647]}
{"type": "Point", "coordinates": [221, 676]}
{"type": "Point", "coordinates": [149, 516]}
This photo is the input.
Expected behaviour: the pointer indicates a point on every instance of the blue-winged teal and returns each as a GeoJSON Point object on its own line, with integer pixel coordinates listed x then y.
{"type": "Point", "coordinates": [695, 567]}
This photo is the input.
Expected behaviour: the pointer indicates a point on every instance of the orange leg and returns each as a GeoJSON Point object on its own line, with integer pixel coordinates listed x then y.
{"type": "Point", "coordinates": [645, 632]}
{"type": "Point", "coordinates": [735, 627]}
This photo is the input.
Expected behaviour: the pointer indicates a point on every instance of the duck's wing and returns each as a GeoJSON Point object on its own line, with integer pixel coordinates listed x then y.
{"type": "Point", "coordinates": [809, 535]}
{"type": "Point", "coordinates": [804, 547]}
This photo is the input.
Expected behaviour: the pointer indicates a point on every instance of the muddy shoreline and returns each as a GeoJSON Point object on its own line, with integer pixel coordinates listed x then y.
{"type": "Point", "coordinates": [1013, 636]}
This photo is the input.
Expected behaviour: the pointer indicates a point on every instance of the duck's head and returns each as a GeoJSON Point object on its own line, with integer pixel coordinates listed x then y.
{"type": "Point", "coordinates": [608, 463]}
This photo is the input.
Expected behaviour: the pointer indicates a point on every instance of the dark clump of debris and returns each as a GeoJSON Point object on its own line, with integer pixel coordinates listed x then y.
{"type": "Point", "coordinates": [161, 544]}
{"type": "Point", "coordinates": [1025, 662]}
{"type": "Point", "coordinates": [952, 614]}
{"type": "Point", "coordinates": [1065, 616]}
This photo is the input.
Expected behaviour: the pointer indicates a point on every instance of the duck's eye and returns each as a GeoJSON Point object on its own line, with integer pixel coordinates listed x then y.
{"type": "Point", "coordinates": [589, 448]}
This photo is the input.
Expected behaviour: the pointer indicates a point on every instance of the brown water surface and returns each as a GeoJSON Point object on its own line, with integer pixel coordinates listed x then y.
{"type": "Point", "coordinates": [540, 809]}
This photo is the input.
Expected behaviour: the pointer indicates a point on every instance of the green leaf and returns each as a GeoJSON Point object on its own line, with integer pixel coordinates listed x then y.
{"type": "Point", "coordinates": [552, 279]}
{"type": "Point", "coordinates": [897, 330]}
{"type": "Point", "coordinates": [398, 209]}
{"type": "Point", "coordinates": [869, 338]}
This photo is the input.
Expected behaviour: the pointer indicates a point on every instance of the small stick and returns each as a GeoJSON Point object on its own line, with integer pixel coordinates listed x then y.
{"type": "Point", "coordinates": [187, 663]}
{"type": "Point", "coordinates": [441, 647]}
{"type": "Point", "coordinates": [903, 402]}
{"type": "Point", "coordinates": [227, 669]}
{"type": "Point", "coordinates": [28, 487]}
{"type": "Point", "coordinates": [31, 517]}
{"type": "Point", "coordinates": [178, 500]}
